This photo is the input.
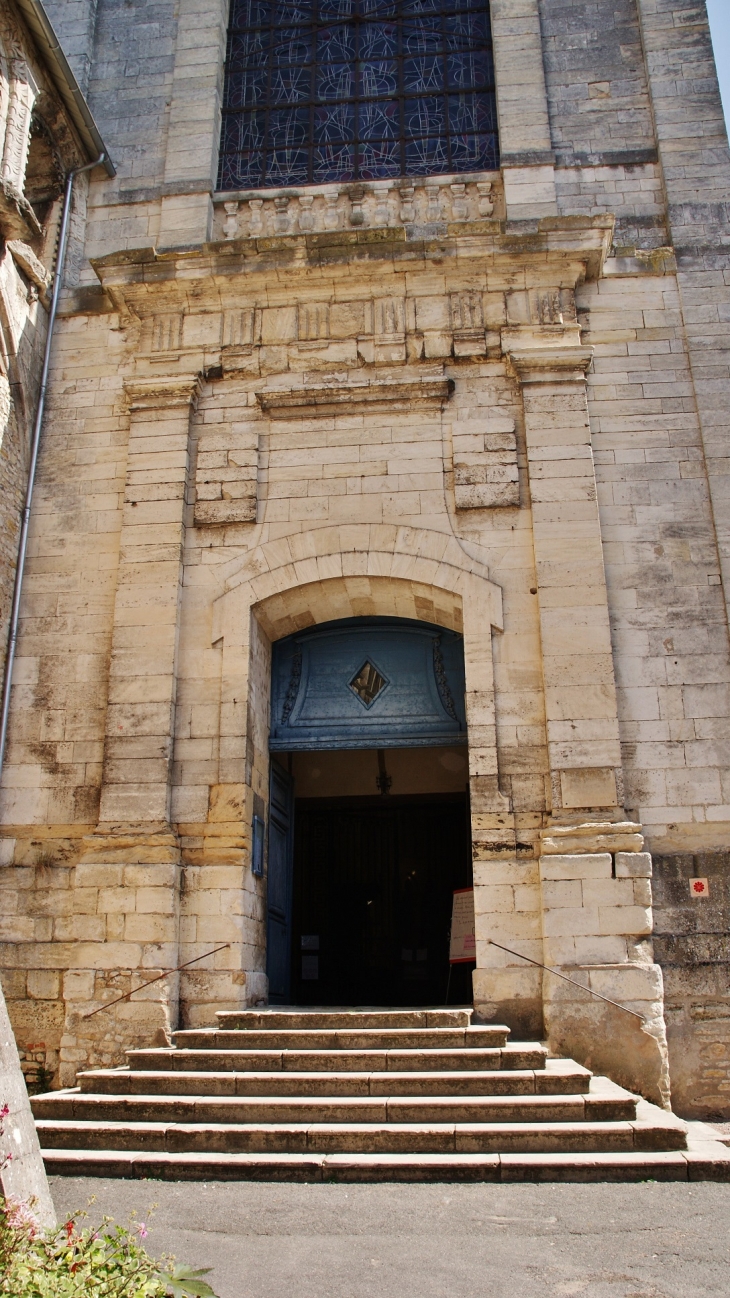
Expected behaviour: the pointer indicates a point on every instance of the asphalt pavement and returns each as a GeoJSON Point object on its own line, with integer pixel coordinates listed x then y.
{"type": "Point", "coordinates": [647, 1240]}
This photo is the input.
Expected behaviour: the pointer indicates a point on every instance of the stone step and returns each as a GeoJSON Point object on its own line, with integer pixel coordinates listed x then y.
{"type": "Point", "coordinates": [518, 1055]}
{"type": "Point", "coordinates": [343, 1038]}
{"type": "Point", "coordinates": [278, 1109]}
{"type": "Point", "coordinates": [366, 1138]}
{"type": "Point", "coordinates": [316, 1017]}
{"type": "Point", "coordinates": [573, 1079]}
{"type": "Point", "coordinates": [707, 1161]}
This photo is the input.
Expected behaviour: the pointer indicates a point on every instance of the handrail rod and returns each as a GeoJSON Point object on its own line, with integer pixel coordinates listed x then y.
{"type": "Point", "coordinates": [166, 974]}
{"type": "Point", "coordinates": [565, 978]}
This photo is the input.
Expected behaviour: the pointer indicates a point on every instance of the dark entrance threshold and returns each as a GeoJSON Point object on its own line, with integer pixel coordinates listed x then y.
{"type": "Point", "coordinates": [373, 884]}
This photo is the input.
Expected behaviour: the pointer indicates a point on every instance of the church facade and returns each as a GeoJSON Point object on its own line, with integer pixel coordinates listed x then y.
{"type": "Point", "coordinates": [381, 542]}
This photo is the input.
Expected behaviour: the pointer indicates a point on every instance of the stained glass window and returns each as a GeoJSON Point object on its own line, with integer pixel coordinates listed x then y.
{"type": "Point", "coordinates": [347, 90]}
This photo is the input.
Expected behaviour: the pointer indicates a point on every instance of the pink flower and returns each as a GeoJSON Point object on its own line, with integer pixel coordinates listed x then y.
{"type": "Point", "coordinates": [4, 1111]}
{"type": "Point", "coordinates": [142, 1230]}
{"type": "Point", "coordinates": [20, 1217]}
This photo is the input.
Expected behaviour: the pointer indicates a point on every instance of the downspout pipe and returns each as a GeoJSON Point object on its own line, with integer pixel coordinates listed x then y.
{"type": "Point", "coordinates": [34, 449]}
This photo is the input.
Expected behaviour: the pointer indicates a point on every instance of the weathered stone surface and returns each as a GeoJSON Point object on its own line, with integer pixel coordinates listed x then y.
{"type": "Point", "coordinates": [495, 402]}
{"type": "Point", "coordinates": [23, 1175]}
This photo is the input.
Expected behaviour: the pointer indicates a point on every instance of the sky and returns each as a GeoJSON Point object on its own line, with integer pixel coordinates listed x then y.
{"type": "Point", "coordinates": [719, 15]}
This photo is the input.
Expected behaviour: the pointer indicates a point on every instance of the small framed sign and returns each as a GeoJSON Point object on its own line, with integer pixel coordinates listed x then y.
{"type": "Point", "coordinates": [462, 947]}
{"type": "Point", "coordinates": [257, 847]}
{"type": "Point", "coordinates": [699, 888]}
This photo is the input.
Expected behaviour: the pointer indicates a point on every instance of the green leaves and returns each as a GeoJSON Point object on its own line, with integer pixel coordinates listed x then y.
{"type": "Point", "coordinates": [106, 1262]}
{"type": "Point", "coordinates": [182, 1281]}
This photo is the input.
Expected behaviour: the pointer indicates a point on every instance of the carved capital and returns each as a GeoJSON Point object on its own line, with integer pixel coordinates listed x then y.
{"type": "Point", "coordinates": [550, 364]}
{"type": "Point", "coordinates": [161, 393]}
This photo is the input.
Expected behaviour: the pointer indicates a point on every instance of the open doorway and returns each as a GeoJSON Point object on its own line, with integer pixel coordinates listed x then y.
{"type": "Point", "coordinates": [369, 832]}
{"type": "Point", "coordinates": [380, 842]}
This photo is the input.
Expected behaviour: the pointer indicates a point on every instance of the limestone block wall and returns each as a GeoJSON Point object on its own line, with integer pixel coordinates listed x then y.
{"type": "Point", "coordinates": [597, 924]}
{"type": "Point", "coordinates": [381, 402]}
{"type": "Point", "coordinates": [691, 944]}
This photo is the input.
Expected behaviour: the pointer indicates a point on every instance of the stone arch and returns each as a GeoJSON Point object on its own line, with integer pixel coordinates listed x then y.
{"type": "Point", "coordinates": [286, 585]}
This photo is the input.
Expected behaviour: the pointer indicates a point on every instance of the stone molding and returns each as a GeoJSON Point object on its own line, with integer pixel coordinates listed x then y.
{"type": "Point", "coordinates": [548, 364]}
{"type": "Point", "coordinates": [161, 393]}
{"type": "Point", "coordinates": [315, 402]}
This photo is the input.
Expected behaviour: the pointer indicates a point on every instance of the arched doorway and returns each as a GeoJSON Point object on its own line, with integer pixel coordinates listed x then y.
{"type": "Point", "coordinates": [369, 813]}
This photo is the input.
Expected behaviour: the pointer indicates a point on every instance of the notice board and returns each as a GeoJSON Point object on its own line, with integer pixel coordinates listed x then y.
{"type": "Point", "coordinates": [463, 946]}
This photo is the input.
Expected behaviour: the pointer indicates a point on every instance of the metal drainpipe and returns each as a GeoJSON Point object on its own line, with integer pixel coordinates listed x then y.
{"type": "Point", "coordinates": [35, 446]}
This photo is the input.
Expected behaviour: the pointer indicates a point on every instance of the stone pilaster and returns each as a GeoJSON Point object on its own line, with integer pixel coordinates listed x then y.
{"type": "Point", "coordinates": [522, 108]}
{"type": "Point", "coordinates": [142, 674]}
{"type": "Point", "coordinates": [130, 867]}
{"type": "Point", "coordinates": [594, 875]}
{"type": "Point", "coordinates": [580, 693]}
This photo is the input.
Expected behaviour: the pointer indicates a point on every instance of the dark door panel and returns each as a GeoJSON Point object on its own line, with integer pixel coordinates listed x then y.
{"type": "Point", "coordinates": [374, 880]}
{"type": "Point", "coordinates": [279, 885]}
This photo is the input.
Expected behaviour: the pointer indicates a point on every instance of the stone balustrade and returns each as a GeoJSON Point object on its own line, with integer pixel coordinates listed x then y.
{"type": "Point", "coordinates": [429, 203]}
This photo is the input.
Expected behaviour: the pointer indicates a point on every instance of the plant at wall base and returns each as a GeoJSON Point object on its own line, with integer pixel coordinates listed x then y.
{"type": "Point", "coordinates": [107, 1262]}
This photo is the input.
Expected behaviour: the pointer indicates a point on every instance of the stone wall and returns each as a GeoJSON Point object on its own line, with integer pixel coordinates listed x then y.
{"type": "Point", "coordinates": [498, 402]}
{"type": "Point", "coordinates": [692, 945]}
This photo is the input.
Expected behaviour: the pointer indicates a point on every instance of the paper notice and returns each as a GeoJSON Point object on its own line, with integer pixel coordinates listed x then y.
{"type": "Point", "coordinates": [463, 942]}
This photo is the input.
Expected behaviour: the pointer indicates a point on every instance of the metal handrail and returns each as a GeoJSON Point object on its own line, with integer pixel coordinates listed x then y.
{"type": "Point", "coordinates": [166, 974]}
{"type": "Point", "coordinates": [565, 978]}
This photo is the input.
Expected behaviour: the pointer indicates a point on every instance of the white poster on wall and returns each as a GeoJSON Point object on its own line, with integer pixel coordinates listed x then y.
{"type": "Point", "coordinates": [463, 946]}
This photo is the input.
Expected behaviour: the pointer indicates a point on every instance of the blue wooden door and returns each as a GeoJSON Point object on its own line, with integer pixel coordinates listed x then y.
{"type": "Point", "coordinates": [279, 885]}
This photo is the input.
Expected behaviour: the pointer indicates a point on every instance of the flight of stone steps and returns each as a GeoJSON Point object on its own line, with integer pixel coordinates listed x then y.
{"type": "Point", "coordinates": [355, 1095]}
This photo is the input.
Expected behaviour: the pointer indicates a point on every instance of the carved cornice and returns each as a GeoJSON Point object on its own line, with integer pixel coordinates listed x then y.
{"type": "Point", "coordinates": [316, 402]}
{"type": "Point", "coordinates": [161, 393]}
{"type": "Point", "coordinates": [550, 364]}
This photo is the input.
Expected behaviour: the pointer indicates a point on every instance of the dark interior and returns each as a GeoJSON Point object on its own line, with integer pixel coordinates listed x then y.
{"type": "Point", "coordinates": [372, 896]}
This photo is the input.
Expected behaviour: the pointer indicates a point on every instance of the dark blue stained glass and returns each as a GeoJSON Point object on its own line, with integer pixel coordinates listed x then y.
{"type": "Point", "coordinates": [378, 80]}
{"type": "Point", "coordinates": [286, 13]}
{"type": "Point", "coordinates": [335, 81]}
{"type": "Point", "coordinates": [288, 127]}
{"type": "Point", "coordinates": [241, 170]}
{"type": "Point", "coordinates": [379, 121]}
{"type": "Point", "coordinates": [246, 89]}
{"type": "Point", "coordinates": [425, 115]}
{"type": "Point", "coordinates": [332, 10]}
{"type": "Point", "coordinates": [248, 47]}
{"type": "Point", "coordinates": [424, 75]}
{"type": "Point", "coordinates": [293, 45]}
{"type": "Point", "coordinates": [287, 167]}
{"type": "Point", "coordinates": [356, 89]}
{"type": "Point", "coordinates": [336, 44]}
{"type": "Point", "coordinates": [380, 160]}
{"type": "Point", "coordinates": [469, 71]}
{"type": "Point", "coordinates": [424, 37]}
{"type": "Point", "coordinates": [335, 123]}
{"type": "Point", "coordinates": [427, 157]}
{"type": "Point", "coordinates": [471, 114]}
{"type": "Point", "coordinates": [378, 41]}
{"type": "Point", "coordinates": [333, 162]}
{"type": "Point", "coordinates": [250, 13]}
{"type": "Point", "coordinates": [290, 85]}
{"type": "Point", "coordinates": [379, 8]}
{"type": "Point", "coordinates": [474, 152]}
{"type": "Point", "coordinates": [244, 131]}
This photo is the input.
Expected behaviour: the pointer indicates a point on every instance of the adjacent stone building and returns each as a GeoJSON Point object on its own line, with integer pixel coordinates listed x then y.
{"type": "Point", "coordinates": [384, 475]}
